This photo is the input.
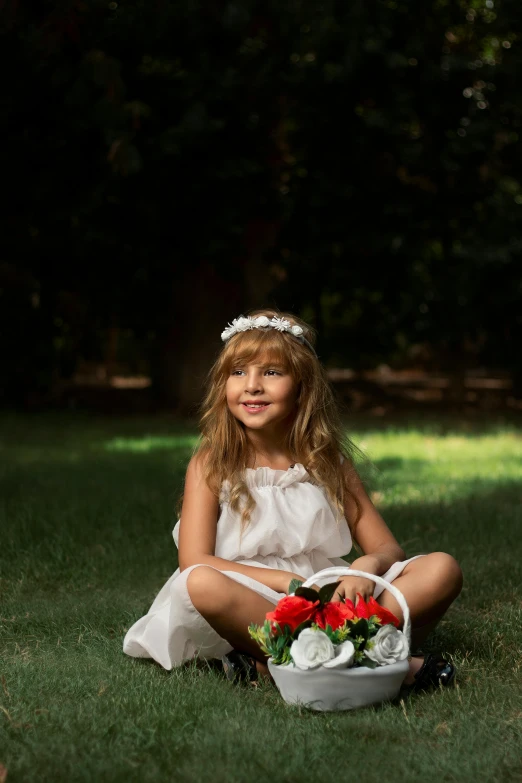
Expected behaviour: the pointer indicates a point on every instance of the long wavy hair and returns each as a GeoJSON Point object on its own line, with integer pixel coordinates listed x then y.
{"type": "Point", "coordinates": [315, 438]}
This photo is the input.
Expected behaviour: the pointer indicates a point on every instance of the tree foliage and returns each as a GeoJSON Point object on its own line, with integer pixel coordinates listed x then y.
{"type": "Point", "coordinates": [172, 164]}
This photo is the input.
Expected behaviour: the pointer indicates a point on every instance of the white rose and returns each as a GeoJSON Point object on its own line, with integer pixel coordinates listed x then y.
{"type": "Point", "coordinates": [344, 656]}
{"type": "Point", "coordinates": [389, 645]}
{"type": "Point", "coordinates": [243, 324]}
{"type": "Point", "coordinates": [261, 320]}
{"type": "Point", "coordinates": [311, 648]}
{"type": "Point", "coordinates": [297, 330]}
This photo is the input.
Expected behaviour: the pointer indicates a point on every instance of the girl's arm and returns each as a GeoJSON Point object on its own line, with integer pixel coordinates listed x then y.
{"type": "Point", "coordinates": [374, 537]}
{"type": "Point", "coordinates": [197, 533]}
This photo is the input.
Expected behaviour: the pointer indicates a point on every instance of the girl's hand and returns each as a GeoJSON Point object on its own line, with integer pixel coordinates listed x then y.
{"type": "Point", "coordinates": [349, 586]}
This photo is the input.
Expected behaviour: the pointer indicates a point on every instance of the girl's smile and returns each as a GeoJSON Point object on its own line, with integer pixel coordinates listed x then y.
{"type": "Point", "coordinates": [255, 407]}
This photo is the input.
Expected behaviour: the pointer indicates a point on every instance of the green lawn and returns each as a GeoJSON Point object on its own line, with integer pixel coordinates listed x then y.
{"type": "Point", "coordinates": [87, 509]}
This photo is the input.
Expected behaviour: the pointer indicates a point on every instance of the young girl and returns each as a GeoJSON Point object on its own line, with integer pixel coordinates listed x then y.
{"type": "Point", "coordinates": [270, 495]}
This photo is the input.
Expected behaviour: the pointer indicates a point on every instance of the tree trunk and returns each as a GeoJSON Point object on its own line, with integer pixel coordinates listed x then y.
{"type": "Point", "coordinates": [201, 304]}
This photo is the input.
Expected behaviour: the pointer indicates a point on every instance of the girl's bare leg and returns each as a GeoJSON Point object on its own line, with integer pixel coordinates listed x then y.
{"type": "Point", "coordinates": [429, 585]}
{"type": "Point", "coordinates": [229, 607]}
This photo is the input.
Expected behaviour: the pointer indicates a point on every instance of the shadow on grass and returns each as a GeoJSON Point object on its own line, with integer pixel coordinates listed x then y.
{"type": "Point", "coordinates": [473, 424]}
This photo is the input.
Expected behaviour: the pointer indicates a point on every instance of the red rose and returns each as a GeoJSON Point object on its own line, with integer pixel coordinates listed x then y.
{"type": "Point", "coordinates": [292, 610]}
{"type": "Point", "coordinates": [384, 615]}
{"type": "Point", "coordinates": [361, 608]}
{"type": "Point", "coordinates": [334, 614]}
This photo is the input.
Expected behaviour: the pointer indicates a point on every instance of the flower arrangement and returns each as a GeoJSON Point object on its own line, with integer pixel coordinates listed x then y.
{"type": "Point", "coordinates": [308, 630]}
{"type": "Point", "coordinates": [243, 324]}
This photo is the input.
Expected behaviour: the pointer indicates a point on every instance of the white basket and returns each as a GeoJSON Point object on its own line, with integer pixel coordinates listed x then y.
{"type": "Point", "coordinates": [326, 689]}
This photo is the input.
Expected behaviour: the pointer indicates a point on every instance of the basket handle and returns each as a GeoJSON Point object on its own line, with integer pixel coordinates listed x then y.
{"type": "Point", "coordinates": [340, 571]}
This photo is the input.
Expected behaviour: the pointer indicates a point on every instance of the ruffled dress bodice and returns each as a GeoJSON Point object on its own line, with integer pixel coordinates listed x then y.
{"type": "Point", "coordinates": [292, 522]}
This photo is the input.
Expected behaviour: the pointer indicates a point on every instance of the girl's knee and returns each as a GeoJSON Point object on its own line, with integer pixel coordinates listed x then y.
{"type": "Point", "coordinates": [200, 580]}
{"type": "Point", "coordinates": [446, 572]}
{"type": "Point", "coordinates": [205, 587]}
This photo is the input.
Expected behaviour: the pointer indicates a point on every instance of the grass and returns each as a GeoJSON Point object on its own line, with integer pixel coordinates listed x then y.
{"type": "Point", "coordinates": [87, 509]}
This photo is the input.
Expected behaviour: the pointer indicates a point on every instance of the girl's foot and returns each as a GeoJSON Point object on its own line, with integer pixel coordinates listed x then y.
{"type": "Point", "coordinates": [416, 661]}
{"type": "Point", "coordinates": [428, 671]}
{"type": "Point", "coordinates": [242, 668]}
{"type": "Point", "coordinates": [239, 668]}
{"type": "Point", "coordinates": [263, 672]}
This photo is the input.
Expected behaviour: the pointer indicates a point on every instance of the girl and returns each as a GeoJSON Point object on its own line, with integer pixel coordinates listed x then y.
{"type": "Point", "coordinates": [272, 494]}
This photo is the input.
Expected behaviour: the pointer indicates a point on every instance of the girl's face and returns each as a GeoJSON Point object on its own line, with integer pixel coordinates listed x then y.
{"type": "Point", "coordinates": [261, 395]}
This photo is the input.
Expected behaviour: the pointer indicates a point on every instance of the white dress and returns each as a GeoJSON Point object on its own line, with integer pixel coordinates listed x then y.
{"type": "Point", "coordinates": [292, 528]}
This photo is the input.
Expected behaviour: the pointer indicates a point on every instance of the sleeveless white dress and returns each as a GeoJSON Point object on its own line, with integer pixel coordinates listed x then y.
{"type": "Point", "coordinates": [293, 528]}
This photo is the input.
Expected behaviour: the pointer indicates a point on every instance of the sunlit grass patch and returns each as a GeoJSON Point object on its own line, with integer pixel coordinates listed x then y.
{"type": "Point", "coordinates": [412, 465]}
{"type": "Point", "coordinates": [150, 443]}
{"type": "Point", "coordinates": [473, 454]}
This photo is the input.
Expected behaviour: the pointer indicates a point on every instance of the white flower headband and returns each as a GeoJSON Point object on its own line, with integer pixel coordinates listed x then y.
{"type": "Point", "coordinates": [243, 324]}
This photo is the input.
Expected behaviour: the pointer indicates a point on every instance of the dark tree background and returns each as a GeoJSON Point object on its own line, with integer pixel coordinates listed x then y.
{"type": "Point", "coordinates": [169, 165]}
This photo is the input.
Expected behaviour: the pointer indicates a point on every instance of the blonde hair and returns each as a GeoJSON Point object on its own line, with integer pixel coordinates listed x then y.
{"type": "Point", "coordinates": [315, 439]}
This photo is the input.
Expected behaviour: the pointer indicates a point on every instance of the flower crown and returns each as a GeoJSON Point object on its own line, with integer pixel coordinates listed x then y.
{"type": "Point", "coordinates": [243, 324]}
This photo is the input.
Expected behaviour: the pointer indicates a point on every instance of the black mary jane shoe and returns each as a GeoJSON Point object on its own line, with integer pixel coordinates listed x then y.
{"type": "Point", "coordinates": [435, 672]}
{"type": "Point", "coordinates": [239, 668]}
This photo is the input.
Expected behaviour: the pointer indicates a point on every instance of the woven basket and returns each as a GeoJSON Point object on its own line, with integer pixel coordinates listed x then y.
{"type": "Point", "coordinates": [343, 689]}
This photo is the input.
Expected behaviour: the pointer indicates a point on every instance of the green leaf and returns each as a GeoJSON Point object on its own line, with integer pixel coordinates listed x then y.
{"type": "Point", "coordinates": [301, 627]}
{"type": "Point", "coordinates": [280, 650]}
{"type": "Point", "coordinates": [281, 643]}
{"type": "Point", "coordinates": [261, 637]}
{"type": "Point", "coordinates": [308, 593]}
{"type": "Point", "coordinates": [326, 592]}
{"type": "Point", "coordinates": [360, 628]}
{"type": "Point", "coordinates": [343, 633]}
{"type": "Point", "coordinates": [334, 637]}
{"type": "Point", "coordinates": [274, 630]}
{"type": "Point", "coordinates": [294, 585]}
{"type": "Point", "coordinates": [367, 662]}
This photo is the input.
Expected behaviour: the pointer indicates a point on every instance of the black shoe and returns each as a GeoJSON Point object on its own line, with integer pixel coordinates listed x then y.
{"type": "Point", "coordinates": [435, 672]}
{"type": "Point", "coordinates": [239, 668]}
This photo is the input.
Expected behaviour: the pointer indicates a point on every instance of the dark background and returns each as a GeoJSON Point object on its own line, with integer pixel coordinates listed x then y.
{"type": "Point", "coordinates": [169, 165]}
